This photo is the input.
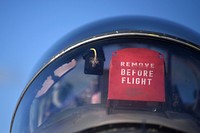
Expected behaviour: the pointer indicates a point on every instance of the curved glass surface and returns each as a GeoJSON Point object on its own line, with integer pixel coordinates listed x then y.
{"type": "Point", "coordinates": [62, 95]}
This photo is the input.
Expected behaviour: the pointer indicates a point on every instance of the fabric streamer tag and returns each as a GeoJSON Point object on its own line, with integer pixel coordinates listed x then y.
{"type": "Point", "coordinates": [137, 74]}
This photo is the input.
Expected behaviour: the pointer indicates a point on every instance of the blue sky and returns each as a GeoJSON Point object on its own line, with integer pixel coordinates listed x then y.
{"type": "Point", "coordinates": [29, 28]}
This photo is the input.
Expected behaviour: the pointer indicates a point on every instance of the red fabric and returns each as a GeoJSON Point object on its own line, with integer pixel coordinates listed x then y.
{"type": "Point", "coordinates": [137, 74]}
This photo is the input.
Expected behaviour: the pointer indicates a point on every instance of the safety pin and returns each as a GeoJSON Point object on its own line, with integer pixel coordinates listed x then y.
{"type": "Point", "coordinates": [94, 60]}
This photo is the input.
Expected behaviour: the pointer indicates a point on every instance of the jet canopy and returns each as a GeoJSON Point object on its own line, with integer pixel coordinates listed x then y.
{"type": "Point", "coordinates": [117, 75]}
